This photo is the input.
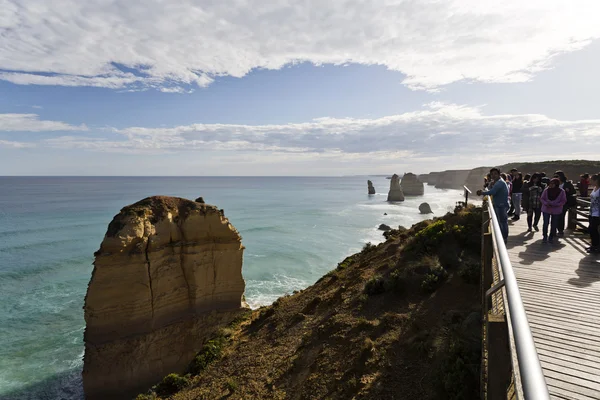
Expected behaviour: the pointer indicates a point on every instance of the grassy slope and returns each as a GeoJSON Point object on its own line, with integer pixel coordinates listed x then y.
{"type": "Point", "coordinates": [396, 321]}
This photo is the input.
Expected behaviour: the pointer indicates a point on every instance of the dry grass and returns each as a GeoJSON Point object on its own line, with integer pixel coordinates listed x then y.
{"type": "Point", "coordinates": [334, 340]}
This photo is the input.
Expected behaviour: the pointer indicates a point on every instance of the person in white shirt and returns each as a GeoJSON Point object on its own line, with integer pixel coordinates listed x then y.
{"type": "Point", "coordinates": [595, 215]}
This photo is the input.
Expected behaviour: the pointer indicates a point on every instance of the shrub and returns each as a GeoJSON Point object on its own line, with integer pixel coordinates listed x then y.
{"type": "Point", "coordinates": [171, 384]}
{"type": "Point", "coordinates": [470, 272]}
{"type": "Point", "coordinates": [232, 385]}
{"type": "Point", "coordinates": [375, 286]}
{"type": "Point", "coordinates": [395, 283]}
{"type": "Point", "coordinates": [428, 239]}
{"type": "Point", "coordinates": [347, 261]}
{"type": "Point", "coordinates": [434, 279]}
{"type": "Point", "coordinates": [210, 352]}
{"type": "Point", "coordinates": [368, 247]}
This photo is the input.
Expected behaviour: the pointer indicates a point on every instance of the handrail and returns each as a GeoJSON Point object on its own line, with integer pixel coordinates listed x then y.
{"type": "Point", "coordinates": [530, 369]}
{"type": "Point", "coordinates": [467, 193]}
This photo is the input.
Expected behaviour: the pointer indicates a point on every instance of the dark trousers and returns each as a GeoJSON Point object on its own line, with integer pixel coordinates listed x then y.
{"type": "Point", "coordinates": [502, 214]}
{"type": "Point", "coordinates": [594, 234]}
{"type": "Point", "coordinates": [552, 220]}
{"type": "Point", "coordinates": [537, 212]}
{"type": "Point", "coordinates": [560, 226]}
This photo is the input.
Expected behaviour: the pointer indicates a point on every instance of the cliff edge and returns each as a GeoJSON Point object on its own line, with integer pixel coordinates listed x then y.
{"type": "Point", "coordinates": [167, 275]}
{"type": "Point", "coordinates": [400, 320]}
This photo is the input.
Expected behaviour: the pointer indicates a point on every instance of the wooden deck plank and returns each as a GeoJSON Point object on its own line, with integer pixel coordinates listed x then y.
{"type": "Point", "coordinates": [560, 288]}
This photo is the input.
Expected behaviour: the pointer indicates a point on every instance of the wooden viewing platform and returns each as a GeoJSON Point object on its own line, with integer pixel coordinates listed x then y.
{"type": "Point", "coordinates": [560, 289]}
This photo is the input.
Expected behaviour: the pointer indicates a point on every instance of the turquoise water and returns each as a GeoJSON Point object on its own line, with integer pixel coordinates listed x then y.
{"type": "Point", "coordinates": [294, 229]}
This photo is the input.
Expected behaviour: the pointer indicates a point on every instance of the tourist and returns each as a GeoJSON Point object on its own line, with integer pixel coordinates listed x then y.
{"type": "Point", "coordinates": [516, 194]}
{"type": "Point", "coordinates": [584, 184]}
{"type": "Point", "coordinates": [499, 193]}
{"type": "Point", "coordinates": [534, 208]}
{"type": "Point", "coordinates": [594, 215]}
{"type": "Point", "coordinates": [525, 190]}
{"type": "Point", "coordinates": [508, 179]}
{"type": "Point", "coordinates": [569, 189]}
{"type": "Point", "coordinates": [553, 199]}
{"type": "Point", "coordinates": [487, 181]}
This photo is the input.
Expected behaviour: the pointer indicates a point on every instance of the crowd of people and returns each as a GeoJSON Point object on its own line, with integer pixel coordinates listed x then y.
{"type": "Point", "coordinates": [541, 197]}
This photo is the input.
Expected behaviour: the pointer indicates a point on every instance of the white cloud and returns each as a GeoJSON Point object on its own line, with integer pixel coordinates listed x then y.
{"type": "Point", "coordinates": [438, 131]}
{"type": "Point", "coordinates": [15, 145]}
{"type": "Point", "coordinates": [167, 44]}
{"type": "Point", "coordinates": [32, 123]}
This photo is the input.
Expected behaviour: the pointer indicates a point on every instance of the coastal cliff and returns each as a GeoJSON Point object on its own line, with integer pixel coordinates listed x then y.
{"type": "Point", "coordinates": [473, 179]}
{"type": "Point", "coordinates": [167, 275]}
{"type": "Point", "coordinates": [397, 320]}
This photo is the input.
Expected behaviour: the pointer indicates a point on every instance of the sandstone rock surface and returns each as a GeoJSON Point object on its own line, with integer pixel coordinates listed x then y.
{"type": "Point", "coordinates": [411, 185]}
{"type": "Point", "coordinates": [167, 275]}
{"type": "Point", "coordinates": [371, 188]}
{"type": "Point", "coordinates": [425, 208]}
{"type": "Point", "coordinates": [395, 193]}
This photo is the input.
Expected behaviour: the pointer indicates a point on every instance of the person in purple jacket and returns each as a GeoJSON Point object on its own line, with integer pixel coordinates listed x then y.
{"type": "Point", "coordinates": [553, 199]}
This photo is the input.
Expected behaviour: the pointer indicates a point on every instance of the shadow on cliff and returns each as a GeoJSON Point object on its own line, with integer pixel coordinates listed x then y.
{"type": "Point", "coordinates": [67, 385]}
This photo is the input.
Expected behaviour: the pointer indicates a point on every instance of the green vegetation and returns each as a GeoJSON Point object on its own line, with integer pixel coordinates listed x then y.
{"type": "Point", "coordinates": [231, 385]}
{"type": "Point", "coordinates": [368, 247]}
{"type": "Point", "coordinates": [170, 384]}
{"type": "Point", "coordinates": [348, 260]}
{"type": "Point", "coordinates": [210, 352]}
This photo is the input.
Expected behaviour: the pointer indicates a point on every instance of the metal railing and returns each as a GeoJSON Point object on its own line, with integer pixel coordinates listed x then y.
{"type": "Point", "coordinates": [467, 193]}
{"type": "Point", "coordinates": [578, 215]}
{"type": "Point", "coordinates": [528, 378]}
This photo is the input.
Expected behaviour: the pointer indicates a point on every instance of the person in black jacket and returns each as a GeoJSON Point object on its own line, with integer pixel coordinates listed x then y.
{"type": "Point", "coordinates": [517, 187]}
{"type": "Point", "coordinates": [571, 193]}
{"type": "Point", "coordinates": [525, 190]}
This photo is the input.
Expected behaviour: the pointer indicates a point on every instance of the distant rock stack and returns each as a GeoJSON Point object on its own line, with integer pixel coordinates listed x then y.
{"type": "Point", "coordinates": [395, 193]}
{"type": "Point", "coordinates": [425, 208]}
{"type": "Point", "coordinates": [167, 275]}
{"type": "Point", "coordinates": [371, 187]}
{"type": "Point", "coordinates": [411, 185]}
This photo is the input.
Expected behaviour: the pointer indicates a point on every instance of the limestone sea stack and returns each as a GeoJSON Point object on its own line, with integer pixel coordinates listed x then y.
{"type": "Point", "coordinates": [395, 193]}
{"type": "Point", "coordinates": [411, 185]}
{"type": "Point", "coordinates": [167, 275]}
{"type": "Point", "coordinates": [371, 187]}
{"type": "Point", "coordinates": [425, 208]}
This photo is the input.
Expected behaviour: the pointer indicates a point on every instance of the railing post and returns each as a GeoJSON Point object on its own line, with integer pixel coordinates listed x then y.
{"type": "Point", "coordinates": [499, 368]}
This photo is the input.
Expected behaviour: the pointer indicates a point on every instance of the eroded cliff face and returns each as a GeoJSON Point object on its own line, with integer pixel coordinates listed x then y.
{"type": "Point", "coordinates": [167, 275]}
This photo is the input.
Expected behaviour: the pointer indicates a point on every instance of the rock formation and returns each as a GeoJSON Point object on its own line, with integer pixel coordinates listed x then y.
{"type": "Point", "coordinates": [384, 227]}
{"type": "Point", "coordinates": [395, 193]}
{"type": "Point", "coordinates": [432, 180]}
{"type": "Point", "coordinates": [371, 188]}
{"type": "Point", "coordinates": [424, 208]}
{"type": "Point", "coordinates": [411, 186]}
{"type": "Point", "coordinates": [167, 275]}
{"type": "Point", "coordinates": [452, 179]}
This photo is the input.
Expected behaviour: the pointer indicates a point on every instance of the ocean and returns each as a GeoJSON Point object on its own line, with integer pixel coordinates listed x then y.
{"type": "Point", "coordinates": [295, 229]}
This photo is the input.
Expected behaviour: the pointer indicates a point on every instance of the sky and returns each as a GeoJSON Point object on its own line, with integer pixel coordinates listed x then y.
{"type": "Point", "coordinates": [282, 87]}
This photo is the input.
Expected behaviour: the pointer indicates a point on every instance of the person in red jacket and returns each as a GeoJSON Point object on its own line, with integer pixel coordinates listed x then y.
{"type": "Point", "coordinates": [584, 184]}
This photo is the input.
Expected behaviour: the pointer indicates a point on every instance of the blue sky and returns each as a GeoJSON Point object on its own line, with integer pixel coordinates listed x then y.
{"type": "Point", "coordinates": [330, 89]}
